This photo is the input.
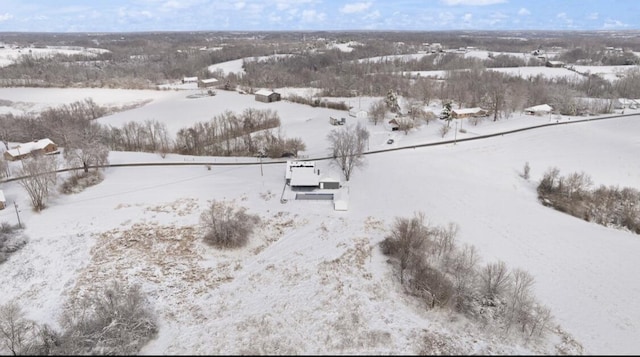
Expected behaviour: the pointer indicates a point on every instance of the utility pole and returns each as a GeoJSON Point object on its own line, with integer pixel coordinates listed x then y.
{"type": "Point", "coordinates": [455, 134]}
{"type": "Point", "coordinates": [17, 214]}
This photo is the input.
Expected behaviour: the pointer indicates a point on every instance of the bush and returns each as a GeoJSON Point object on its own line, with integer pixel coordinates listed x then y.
{"type": "Point", "coordinates": [114, 321]}
{"type": "Point", "coordinates": [227, 226]}
{"type": "Point", "coordinates": [609, 206]}
{"type": "Point", "coordinates": [77, 183]}
{"type": "Point", "coordinates": [10, 240]}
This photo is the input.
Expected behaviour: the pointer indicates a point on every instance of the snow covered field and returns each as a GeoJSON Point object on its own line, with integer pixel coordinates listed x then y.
{"type": "Point", "coordinates": [312, 280]}
{"type": "Point", "coordinates": [9, 54]}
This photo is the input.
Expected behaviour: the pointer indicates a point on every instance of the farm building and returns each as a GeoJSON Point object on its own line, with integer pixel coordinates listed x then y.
{"type": "Point", "coordinates": [207, 83]}
{"type": "Point", "coordinates": [3, 201]}
{"type": "Point", "coordinates": [468, 113]}
{"type": "Point", "coordinates": [21, 151]}
{"type": "Point", "coordinates": [267, 96]}
{"type": "Point", "coordinates": [554, 64]}
{"type": "Point", "coordinates": [190, 80]}
{"type": "Point", "coordinates": [542, 109]}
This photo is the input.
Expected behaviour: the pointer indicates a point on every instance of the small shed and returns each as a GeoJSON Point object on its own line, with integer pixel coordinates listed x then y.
{"type": "Point", "coordinates": [3, 201]}
{"type": "Point", "coordinates": [542, 109]}
{"type": "Point", "coordinates": [267, 96]}
{"type": "Point", "coordinates": [554, 64]}
{"type": "Point", "coordinates": [207, 83]}
{"type": "Point", "coordinates": [329, 183]}
{"type": "Point", "coordinates": [190, 80]}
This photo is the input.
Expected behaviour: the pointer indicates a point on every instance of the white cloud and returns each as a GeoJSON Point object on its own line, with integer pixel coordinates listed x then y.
{"type": "Point", "coordinates": [6, 16]}
{"type": "Point", "coordinates": [355, 7]}
{"type": "Point", "coordinates": [313, 16]}
{"type": "Point", "coordinates": [467, 17]}
{"type": "Point", "coordinates": [593, 16]}
{"type": "Point", "coordinates": [610, 23]}
{"type": "Point", "coordinates": [524, 12]}
{"type": "Point", "coordinates": [240, 5]}
{"type": "Point", "coordinates": [374, 15]}
{"type": "Point", "coordinates": [472, 2]}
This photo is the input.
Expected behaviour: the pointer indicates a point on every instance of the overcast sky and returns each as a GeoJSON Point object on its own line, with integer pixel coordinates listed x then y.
{"type": "Point", "coordinates": [282, 15]}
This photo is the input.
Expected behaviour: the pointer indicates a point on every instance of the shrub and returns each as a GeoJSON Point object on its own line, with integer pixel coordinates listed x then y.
{"type": "Point", "coordinates": [10, 240]}
{"type": "Point", "coordinates": [77, 183]}
{"type": "Point", "coordinates": [114, 321]}
{"type": "Point", "coordinates": [227, 226]}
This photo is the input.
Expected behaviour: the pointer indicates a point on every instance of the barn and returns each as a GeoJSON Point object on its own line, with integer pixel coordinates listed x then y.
{"type": "Point", "coordinates": [267, 96]}
{"type": "Point", "coordinates": [207, 83]}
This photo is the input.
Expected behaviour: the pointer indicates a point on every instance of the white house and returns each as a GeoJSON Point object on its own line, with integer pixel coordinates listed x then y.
{"type": "Point", "coordinates": [542, 109]}
{"type": "Point", "coordinates": [304, 177]}
{"type": "Point", "coordinates": [3, 201]}
{"type": "Point", "coordinates": [291, 165]}
{"type": "Point", "coordinates": [21, 151]}
{"type": "Point", "coordinates": [468, 113]}
{"type": "Point", "coordinates": [190, 80]}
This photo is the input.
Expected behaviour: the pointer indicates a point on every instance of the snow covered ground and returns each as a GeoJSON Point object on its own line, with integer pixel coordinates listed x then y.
{"type": "Point", "coordinates": [9, 54]}
{"type": "Point", "coordinates": [312, 280]}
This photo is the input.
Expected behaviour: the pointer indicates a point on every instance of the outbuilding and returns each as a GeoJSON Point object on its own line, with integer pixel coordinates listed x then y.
{"type": "Point", "coordinates": [267, 96]}
{"type": "Point", "coordinates": [3, 201]}
{"type": "Point", "coordinates": [329, 183]}
{"type": "Point", "coordinates": [207, 83]}
{"type": "Point", "coordinates": [542, 109]}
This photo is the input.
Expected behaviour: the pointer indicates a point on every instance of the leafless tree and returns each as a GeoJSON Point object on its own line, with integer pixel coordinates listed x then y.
{"type": "Point", "coordinates": [347, 146]}
{"type": "Point", "coordinates": [38, 178]}
{"type": "Point", "coordinates": [407, 241]}
{"type": "Point", "coordinates": [86, 148]}
{"type": "Point", "coordinates": [18, 334]}
{"type": "Point", "coordinates": [495, 279]}
{"type": "Point", "coordinates": [377, 111]}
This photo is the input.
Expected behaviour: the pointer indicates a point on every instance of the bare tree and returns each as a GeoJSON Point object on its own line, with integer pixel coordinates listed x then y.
{"type": "Point", "coordinates": [495, 279]}
{"type": "Point", "coordinates": [17, 333]}
{"type": "Point", "coordinates": [377, 111]}
{"type": "Point", "coordinates": [347, 146]}
{"type": "Point", "coordinates": [38, 178]}
{"type": "Point", "coordinates": [86, 149]}
{"type": "Point", "coordinates": [407, 242]}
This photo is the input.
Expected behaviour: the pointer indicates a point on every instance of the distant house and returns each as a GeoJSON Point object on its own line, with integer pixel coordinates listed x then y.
{"type": "Point", "coordinates": [267, 96]}
{"type": "Point", "coordinates": [554, 64]}
{"type": "Point", "coordinates": [21, 151]}
{"type": "Point", "coordinates": [542, 109]}
{"type": "Point", "coordinates": [468, 113]}
{"type": "Point", "coordinates": [207, 83]}
{"type": "Point", "coordinates": [190, 80]}
{"type": "Point", "coordinates": [3, 201]}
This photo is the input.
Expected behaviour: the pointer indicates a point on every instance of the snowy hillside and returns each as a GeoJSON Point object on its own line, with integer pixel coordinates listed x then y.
{"type": "Point", "coordinates": [313, 280]}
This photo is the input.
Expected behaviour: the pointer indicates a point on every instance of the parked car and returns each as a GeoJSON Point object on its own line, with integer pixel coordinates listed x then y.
{"type": "Point", "coordinates": [390, 141]}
